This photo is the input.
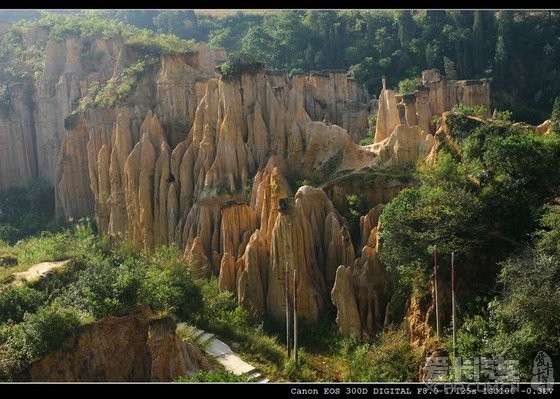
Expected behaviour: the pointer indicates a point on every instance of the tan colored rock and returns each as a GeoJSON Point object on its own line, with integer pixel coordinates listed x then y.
{"type": "Point", "coordinates": [361, 292]}
{"type": "Point", "coordinates": [139, 347]}
{"type": "Point", "coordinates": [253, 280]}
{"type": "Point", "coordinates": [238, 223]}
{"type": "Point", "coordinates": [343, 297]}
{"type": "Point", "coordinates": [73, 193]}
{"type": "Point", "coordinates": [368, 223]}
{"type": "Point", "coordinates": [387, 115]}
{"type": "Point", "coordinates": [205, 163]}
{"type": "Point", "coordinates": [335, 98]}
{"type": "Point", "coordinates": [434, 97]}
{"type": "Point", "coordinates": [406, 144]}
{"type": "Point", "coordinates": [18, 159]}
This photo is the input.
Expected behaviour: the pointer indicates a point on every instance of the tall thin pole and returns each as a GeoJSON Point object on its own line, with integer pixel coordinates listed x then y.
{"type": "Point", "coordinates": [453, 300]}
{"type": "Point", "coordinates": [436, 291]}
{"type": "Point", "coordinates": [287, 278]}
{"type": "Point", "coordinates": [295, 316]}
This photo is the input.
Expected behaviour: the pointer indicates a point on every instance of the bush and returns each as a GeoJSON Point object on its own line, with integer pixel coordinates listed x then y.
{"type": "Point", "coordinates": [408, 86]}
{"type": "Point", "coordinates": [366, 140]}
{"type": "Point", "coordinates": [169, 286]}
{"type": "Point", "coordinates": [16, 301]}
{"type": "Point", "coordinates": [391, 358]}
{"type": "Point", "coordinates": [502, 115]}
{"type": "Point", "coordinates": [478, 111]}
{"type": "Point", "coordinates": [527, 315]}
{"type": "Point", "coordinates": [219, 375]}
{"type": "Point", "coordinates": [237, 64]}
{"type": "Point", "coordinates": [105, 290]}
{"type": "Point", "coordinates": [38, 334]}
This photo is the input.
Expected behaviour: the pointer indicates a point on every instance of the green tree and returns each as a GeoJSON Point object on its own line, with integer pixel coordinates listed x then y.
{"type": "Point", "coordinates": [527, 314]}
{"type": "Point", "coordinates": [182, 23]}
{"type": "Point", "coordinates": [555, 116]}
{"type": "Point", "coordinates": [407, 27]}
{"type": "Point", "coordinates": [419, 218]}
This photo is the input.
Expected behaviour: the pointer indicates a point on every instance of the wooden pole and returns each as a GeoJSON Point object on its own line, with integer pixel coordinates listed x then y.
{"type": "Point", "coordinates": [295, 316]}
{"type": "Point", "coordinates": [436, 291]}
{"type": "Point", "coordinates": [453, 301]}
{"type": "Point", "coordinates": [287, 278]}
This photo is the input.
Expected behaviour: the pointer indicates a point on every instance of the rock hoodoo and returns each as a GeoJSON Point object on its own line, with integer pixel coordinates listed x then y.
{"type": "Point", "coordinates": [221, 167]}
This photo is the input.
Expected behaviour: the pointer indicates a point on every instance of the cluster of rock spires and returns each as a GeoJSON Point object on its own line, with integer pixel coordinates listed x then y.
{"type": "Point", "coordinates": [215, 167]}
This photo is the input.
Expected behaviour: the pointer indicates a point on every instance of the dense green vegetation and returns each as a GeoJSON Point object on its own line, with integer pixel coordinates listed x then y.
{"type": "Point", "coordinates": [114, 277]}
{"type": "Point", "coordinates": [490, 199]}
{"type": "Point", "coordinates": [517, 49]}
{"type": "Point", "coordinates": [25, 211]}
{"type": "Point", "coordinates": [239, 63]}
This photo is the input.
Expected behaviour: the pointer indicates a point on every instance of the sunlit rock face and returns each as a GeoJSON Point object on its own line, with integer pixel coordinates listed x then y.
{"type": "Point", "coordinates": [223, 168]}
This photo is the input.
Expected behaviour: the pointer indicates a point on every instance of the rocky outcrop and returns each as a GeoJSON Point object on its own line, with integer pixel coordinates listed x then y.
{"type": "Point", "coordinates": [219, 193]}
{"type": "Point", "coordinates": [18, 152]}
{"type": "Point", "coordinates": [361, 292]}
{"type": "Point", "coordinates": [434, 97]}
{"type": "Point", "coordinates": [215, 166]}
{"type": "Point", "coordinates": [330, 96]}
{"type": "Point", "coordinates": [139, 347]}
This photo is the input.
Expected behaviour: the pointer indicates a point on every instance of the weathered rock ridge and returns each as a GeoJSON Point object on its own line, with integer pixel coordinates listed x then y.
{"type": "Point", "coordinates": [138, 347]}
{"type": "Point", "coordinates": [219, 168]}
{"type": "Point", "coordinates": [218, 193]}
{"type": "Point", "coordinates": [433, 97]}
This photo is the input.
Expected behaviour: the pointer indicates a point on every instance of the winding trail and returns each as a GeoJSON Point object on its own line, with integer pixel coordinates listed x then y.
{"type": "Point", "coordinates": [224, 354]}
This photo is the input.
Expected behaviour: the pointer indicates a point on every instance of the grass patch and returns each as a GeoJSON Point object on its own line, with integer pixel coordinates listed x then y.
{"type": "Point", "coordinates": [218, 375]}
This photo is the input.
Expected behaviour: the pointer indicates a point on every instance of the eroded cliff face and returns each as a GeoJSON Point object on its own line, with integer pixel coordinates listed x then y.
{"type": "Point", "coordinates": [139, 347]}
{"type": "Point", "coordinates": [224, 195]}
{"type": "Point", "coordinates": [219, 168]}
{"type": "Point", "coordinates": [18, 153]}
{"type": "Point", "coordinates": [362, 290]}
{"type": "Point", "coordinates": [434, 97]}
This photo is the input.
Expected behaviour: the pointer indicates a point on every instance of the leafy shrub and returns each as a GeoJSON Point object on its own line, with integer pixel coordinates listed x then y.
{"type": "Point", "coordinates": [169, 286]}
{"type": "Point", "coordinates": [16, 301]}
{"type": "Point", "coordinates": [526, 316]}
{"type": "Point", "coordinates": [104, 290]}
{"type": "Point", "coordinates": [366, 140]}
{"type": "Point", "coordinates": [407, 86]}
{"type": "Point", "coordinates": [218, 375]}
{"type": "Point", "coordinates": [391, 358]}
{"type": "Point", "coordinates": [237, 64]}
{"type": "Point", "coordinates": [478, 111]}
{"type": "Point", "coordinates": [502, 115]}
{"type": "Point", "coordinates": [38, 334]}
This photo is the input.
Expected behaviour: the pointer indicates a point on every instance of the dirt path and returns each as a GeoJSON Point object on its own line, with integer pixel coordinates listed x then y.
{"type": "Point", "coordinates": [224, 355]}
{"type": "Point", "coordinates": [38, 271]}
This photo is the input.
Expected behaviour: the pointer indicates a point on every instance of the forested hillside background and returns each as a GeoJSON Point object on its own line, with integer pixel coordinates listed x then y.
{"type": "Point", "coordinates": [517, 49]}
{"type": "Point", "coordinates": [490, 196]}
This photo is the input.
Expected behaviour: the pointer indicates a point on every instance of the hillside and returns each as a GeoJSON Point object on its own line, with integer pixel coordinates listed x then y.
{"type": "Point", "coordinates": [208, 187]}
